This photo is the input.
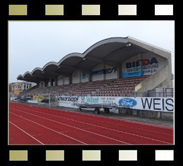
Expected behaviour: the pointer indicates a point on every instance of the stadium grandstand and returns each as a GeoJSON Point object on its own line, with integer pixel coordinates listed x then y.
{"type": "Point", "coordinates": [111, 67]}
{"type": "Point", "coordinates": [116, 76]}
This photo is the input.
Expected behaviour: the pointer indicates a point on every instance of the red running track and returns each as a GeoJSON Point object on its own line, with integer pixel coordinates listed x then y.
{"type": "Point", "coordinates": [33, 125]}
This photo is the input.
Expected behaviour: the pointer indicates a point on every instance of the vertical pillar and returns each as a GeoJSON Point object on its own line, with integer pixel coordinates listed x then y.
{"type": "Point", "coordinates": [50, 82]}
{"type": "Point", "coordinates": [141, 67]}
{"type": "Point", "coordinates": [79, 76]}
{"type": "Point", "coordinates": [119, 71]}
{"type": "Point", "coordinates": [56, 81]}
{"type": "Point", "coordinates": [70, 79]}
{"type": "Point", "coordinates": [104, 66]}
{"type": "Point", "coordinates": [90, 77]}
{"type": "Point", "coordinates": [49, 99]}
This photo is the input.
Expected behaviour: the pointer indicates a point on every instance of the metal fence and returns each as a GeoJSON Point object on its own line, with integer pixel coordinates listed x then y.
{"type": "Point", "coordinates": [162, 92]}
{"type": "Point", "coordinates": [165, 92]}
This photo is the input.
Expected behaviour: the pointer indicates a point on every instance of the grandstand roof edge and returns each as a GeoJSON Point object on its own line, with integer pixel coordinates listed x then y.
{"type": "Point", "coordinates": [48, 64]}
{"type": "Point", "coordinates": [70, 55]}
{"type": "Point", "coordinates": [36, 68]}
{"type": "Point", "coordinates": [146, 43]}
{"type": "Point", "coordinates": [19, 76]}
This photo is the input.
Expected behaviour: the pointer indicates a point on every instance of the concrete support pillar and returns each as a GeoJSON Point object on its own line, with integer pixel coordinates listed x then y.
{"type": "Point", "coordinates": [80, 76]}
{"type": "Point", "coordinates": [90, 77]}
{"type": "Point", "coordinates": [119, 71]}
{"type": "Point", "coordinates": [46, 84]}
{"type": "Point", "coordinates": [70, 79]}
{"type": "Point", "coordinates": [104, 66]}
{"type": "Point", "coordinates": [56, 81]}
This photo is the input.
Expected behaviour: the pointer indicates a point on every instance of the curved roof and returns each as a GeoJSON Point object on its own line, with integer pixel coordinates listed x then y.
{"type": "Point", "coordinates": [111, 51]}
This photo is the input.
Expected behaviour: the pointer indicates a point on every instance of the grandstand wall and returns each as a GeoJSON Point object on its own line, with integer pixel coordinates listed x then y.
{"type": "Point", "coordinates": [76, 77]}
{"type": "Point", "coordinates": [159, 79]}
{"type": "Point", "coordinates": [60, 80]}
{"type": "Point", "coordinates": [111, 72]}
{"type": "Point", "coordinates": [138, 65]}
{"type": "Point", "coordinates": [98, 73]}
{"type": "Point", "coordinates": [66, 80]}
{"type": "Point", "coordinates": [104, 72]}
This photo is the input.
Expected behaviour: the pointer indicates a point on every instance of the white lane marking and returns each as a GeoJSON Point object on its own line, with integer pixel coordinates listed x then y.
{"type": "Point", "coordinates": [26, 133]}
{"type": "Point", "coordinates": [127, 121]}
{"type": "Point", "coordinates": [49, 128]}
{"type": "Point", "coordinates": [78, 128]}
{"type": "Point", "coordinates": [115, 120]}
{"type": "Point", "coordinates": [103, 127]}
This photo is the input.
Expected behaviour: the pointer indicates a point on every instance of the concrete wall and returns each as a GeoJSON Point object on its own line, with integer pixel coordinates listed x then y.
{"type": "Point", "coordinates": [96, 77]}
{"type": "Point", "coordinates": [66, 80]}
{"type": "Point", "coordinates": [148, 114]}
{"type": "Point", "coordinates": [76, 77]}
{"type": "Point", "coordinates": [110, 72]}
{"type": "Point", "coordinates": [154, 81]}
{"type": "Point", "coordinates": [62, 80]}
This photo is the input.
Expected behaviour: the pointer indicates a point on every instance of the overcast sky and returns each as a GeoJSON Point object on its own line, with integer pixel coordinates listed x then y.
{"type": "Point", "coordinates": [35, 43]}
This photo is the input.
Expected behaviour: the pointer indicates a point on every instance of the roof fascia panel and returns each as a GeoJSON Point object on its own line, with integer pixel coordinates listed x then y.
{"type": "Point", "coordinates": [157, 50]}
{"type": "Point", "coordinates": [36, 69]}
{"type": "Point", "coordinates": [49, 64]}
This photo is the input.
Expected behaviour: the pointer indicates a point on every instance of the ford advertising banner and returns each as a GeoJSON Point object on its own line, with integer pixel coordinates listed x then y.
{"type": "Point", "coordinates": [149, 103]}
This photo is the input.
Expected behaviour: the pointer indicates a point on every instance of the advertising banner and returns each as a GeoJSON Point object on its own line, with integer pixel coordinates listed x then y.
{"type": "Point", "coordinates": [165, 104]}
{"type": "Point", "coordinates": [139, 103]}
{"type": "Point", "coordinates": [68, 101]}
{"type": "Point", "coordinates": [145, 64]}
{"type": "Point", "coordinates": [85, 75]}
{"type": "Point", "coordinates": [105, 71]}
{"type": "Point", "coordinates": [38, 98]}
{"type": "Point", "coordinates": [140, 67]}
